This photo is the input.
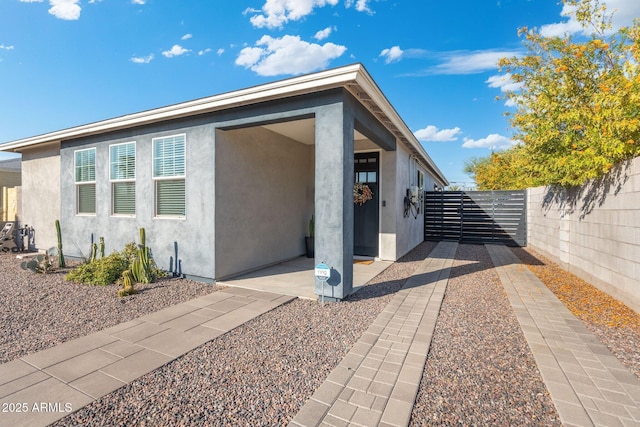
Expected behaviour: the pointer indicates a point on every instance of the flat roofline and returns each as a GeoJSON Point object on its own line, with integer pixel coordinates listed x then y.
{"type": "Point", "coordinates": [354, 78]}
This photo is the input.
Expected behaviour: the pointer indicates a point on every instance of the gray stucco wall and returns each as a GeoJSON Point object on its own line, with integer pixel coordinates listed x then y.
{"type": "Point", "coordinates": [389, 210]}
{"type": "Point", "coordinates": [194, 234]}
{"type": "Point", "coordinates": [264, 198]}
{"type": "Point", "coordinates": [40, 193]}
{"type": "Point", "coordinates": [249, 191]}
{"type": "Point", "coordinates": [410, 229]}
{"type": "Point", "coordinates": [593, 231]}
{"type": "Point", "coordinates": [334, 198]}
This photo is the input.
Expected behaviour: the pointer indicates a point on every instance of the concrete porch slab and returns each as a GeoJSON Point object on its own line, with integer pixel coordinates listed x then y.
{"type": "Point", "coordinates": [296, 277]}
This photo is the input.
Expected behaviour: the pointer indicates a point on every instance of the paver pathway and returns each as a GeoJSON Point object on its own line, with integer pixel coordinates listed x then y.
{"type": "Point", "coordinates": [375, 384]}
{"type": "Point", "coordinates": [40, 388]}
{"type": "Point", "coordinates": [588, 385]}
{"type": "Point", "coordinates": [377, 381]}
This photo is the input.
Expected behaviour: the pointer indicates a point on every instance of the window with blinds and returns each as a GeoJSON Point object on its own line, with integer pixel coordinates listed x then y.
{"type": "Point", "coordinates": [85, 172]}
{"type": "Point", "coordinates": [122, 173]}
{"type": "Point", "coordinates": [169, 175]}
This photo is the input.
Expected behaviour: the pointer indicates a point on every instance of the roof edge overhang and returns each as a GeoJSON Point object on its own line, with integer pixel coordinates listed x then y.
{"type": "Point", "coordinates": [379, 105]}
{"type": "Point", "coordinates": [354, 78]}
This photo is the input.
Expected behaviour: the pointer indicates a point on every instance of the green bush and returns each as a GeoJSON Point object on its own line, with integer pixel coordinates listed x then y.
{"type": "Point", "coordinates": [108, 270]}
{"type": "Point", "coordinates": [103, 271]}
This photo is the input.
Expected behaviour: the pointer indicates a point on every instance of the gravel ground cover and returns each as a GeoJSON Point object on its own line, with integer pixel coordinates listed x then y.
{"type": "Point", "coordinates": [480, 370]}
{"type": "Point", "coordinates": [38, 311]}
{"type": "Point", "coordinates": [259, 374]}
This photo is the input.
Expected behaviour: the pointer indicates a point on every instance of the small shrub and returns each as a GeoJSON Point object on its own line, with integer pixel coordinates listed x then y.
{"type": "Point", "coordinates": [103, 271]}
{"type": "Point", "coordinates": [108, 270]}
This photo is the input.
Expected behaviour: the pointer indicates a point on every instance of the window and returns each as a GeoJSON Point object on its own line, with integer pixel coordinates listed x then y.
{"type": "Point", "coordinates": [169, 175]}
{"type": "Point", "coordinates": [85, 165]}
{"type": "Point", "coordinates": [122, 173]}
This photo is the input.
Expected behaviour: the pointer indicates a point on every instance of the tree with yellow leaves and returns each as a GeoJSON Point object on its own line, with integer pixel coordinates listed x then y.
{"type": "Point", "coordinates": [578, 111]}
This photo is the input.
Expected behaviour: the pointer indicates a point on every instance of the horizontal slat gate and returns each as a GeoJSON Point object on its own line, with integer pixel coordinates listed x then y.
{"type": "Point", "coordinates": [476, 216]}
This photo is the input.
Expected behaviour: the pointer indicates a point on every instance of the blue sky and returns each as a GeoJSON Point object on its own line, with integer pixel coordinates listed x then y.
{"type": "Point", "coordinates": [69, 62]}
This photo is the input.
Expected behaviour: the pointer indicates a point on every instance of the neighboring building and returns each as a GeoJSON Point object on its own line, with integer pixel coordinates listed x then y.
{"type": "Point", "coordinates": [233, 179]}
{"type": "Point", "coordinates": [10, 181]}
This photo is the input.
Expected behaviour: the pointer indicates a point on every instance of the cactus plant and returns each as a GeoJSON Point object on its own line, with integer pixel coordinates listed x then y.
{"type": "Point", "coordinates": [140, 267]}
{"type": "Point", "coordinates": [94, 252]}
{"type": "Point", "coordinates": [127, 284]}
{"type": "Point", "coordinates": [41, 263]}
{"type": "Point", "coordinates": [61, 262]}
{"type": "Point", "coordinates": [101, 247]}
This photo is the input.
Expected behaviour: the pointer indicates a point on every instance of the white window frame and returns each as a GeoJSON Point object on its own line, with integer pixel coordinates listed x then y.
{"type": "Point", "coordinates": [116, 180]}
{"type": "Point", "coordinates": [160, 177]}
{"type": "Point", "coordinates": [79, 181]}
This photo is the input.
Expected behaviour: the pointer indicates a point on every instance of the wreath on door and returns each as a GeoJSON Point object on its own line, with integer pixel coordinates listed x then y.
{"type": "Point", "coordinates": [361, 193]}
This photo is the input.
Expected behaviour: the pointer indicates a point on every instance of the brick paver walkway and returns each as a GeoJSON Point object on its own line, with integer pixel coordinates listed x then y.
{"type": "Point", "coordinates": [40, 388]}
{"type": "Point", "coordinates": [588, 385]}
{"type": "Point", "coordinates": [377, 382]}
{"type": "Point", "coordinates": [374, 385]}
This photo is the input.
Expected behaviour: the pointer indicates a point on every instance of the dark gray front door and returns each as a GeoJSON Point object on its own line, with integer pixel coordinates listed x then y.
{"type": "Point", "coordinates": [366, 216]}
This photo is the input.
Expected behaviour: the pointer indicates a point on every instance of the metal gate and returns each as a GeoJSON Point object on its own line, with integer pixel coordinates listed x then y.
{"type": "Point", "coordinates": [476, 216]}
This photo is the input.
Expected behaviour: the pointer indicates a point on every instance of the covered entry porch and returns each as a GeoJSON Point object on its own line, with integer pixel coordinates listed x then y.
{"type": "Point", "coordinates": [281, 165]}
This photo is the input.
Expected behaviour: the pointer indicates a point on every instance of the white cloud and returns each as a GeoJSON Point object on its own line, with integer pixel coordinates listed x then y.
{"type": "Point", "coordinates": [361, 5]}
{"type": "Point", "coordinates": [176, 50]}
{"type": "Point", "coordinates": [204, 51]}
{"type": "Point", "coordinates": [65, 9]}
{"type": "Point", "coordinates": [276, 13]}
{"type": "Point", "coordinates": [432, 133]}
{"type": "Point", "coordinates": [6, 47]}
{"type": "Point", "coordinates": [250, 56]}
{"type": "Point", "coordinates": [186, 37]}
{"type": "Point", "coordinates": [323, 34]}
{"type": "Point", "coordinates": [138, 1]}
{"type": "Point", "coordinates": [504, 82]}
{"type": "Point", "coordinates": [220, 51]}
{"type": "Point", "coordinates": [393, 54]}
{"type": "Point", "coordinates": [492, 141]}
{"type": "Point", "coordinates": [471, 62]}
{"type": "Point", "coordinates": [287, 55]}
{"type": "Point", "coordinates": [142, 59]}
{"type": "Point", "coordinates": [624, 12]}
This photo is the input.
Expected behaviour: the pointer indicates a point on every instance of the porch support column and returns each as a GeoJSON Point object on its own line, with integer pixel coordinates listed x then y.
{"type": "Point", "coordinates": [334, 199]}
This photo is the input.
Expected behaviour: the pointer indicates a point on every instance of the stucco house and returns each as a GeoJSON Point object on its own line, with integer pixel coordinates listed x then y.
{"type": "Point", "coordinates": [232, 180]}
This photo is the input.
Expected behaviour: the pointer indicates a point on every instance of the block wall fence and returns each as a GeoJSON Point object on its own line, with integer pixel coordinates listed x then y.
{"type": "Point", "coordinates": [593, 231]}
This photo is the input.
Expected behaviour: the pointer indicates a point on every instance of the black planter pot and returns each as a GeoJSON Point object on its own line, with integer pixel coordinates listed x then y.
{"type": "Point", "coordinates": [309, 244]}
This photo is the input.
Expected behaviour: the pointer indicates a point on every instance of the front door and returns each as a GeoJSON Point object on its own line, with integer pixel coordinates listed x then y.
{"type": "Point", "coordinates": [366, 215]}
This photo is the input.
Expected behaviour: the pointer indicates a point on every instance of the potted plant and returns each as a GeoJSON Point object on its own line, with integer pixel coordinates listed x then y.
{"type": "Point", "coordinates": [309, 238]}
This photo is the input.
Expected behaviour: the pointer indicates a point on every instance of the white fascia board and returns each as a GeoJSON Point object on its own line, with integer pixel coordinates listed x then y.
{"type": "Point", "coordinates": [368, 84]}
{"type": "Point", "coordinates": [280, 89]}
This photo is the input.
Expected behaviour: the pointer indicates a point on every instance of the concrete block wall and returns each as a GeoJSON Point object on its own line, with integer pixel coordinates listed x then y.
{"type": "Point", "coordinates": [593, 231]}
